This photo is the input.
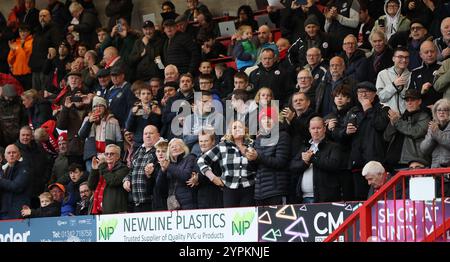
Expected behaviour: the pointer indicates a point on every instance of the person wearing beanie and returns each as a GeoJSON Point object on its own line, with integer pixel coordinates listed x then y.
{"type": "Point", "coordinates": [99, 129]}
{"type": "Point", "coordinates": [271, 154]}
{"type": "Point", "coordinates": [313, 37]}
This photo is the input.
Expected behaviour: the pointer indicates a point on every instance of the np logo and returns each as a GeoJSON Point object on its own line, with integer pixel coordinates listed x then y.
{"type": "Point", "coordinates": [107, 228]}
{"type": "Point", "coordinates": [241, 223]}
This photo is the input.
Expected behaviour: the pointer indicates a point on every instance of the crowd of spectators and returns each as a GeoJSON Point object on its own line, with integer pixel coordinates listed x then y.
{"type": "Point", "coordinates": [105, 118]}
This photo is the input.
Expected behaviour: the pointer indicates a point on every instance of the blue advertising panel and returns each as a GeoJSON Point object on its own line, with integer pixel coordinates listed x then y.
{"type": "Point", "coordinates": [15, 231]}
{"type": "Point", "coordinates": [63, 229]}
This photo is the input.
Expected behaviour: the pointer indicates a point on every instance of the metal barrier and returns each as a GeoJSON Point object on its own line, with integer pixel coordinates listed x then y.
{"type": "Point", "coordinates": [375, 221]}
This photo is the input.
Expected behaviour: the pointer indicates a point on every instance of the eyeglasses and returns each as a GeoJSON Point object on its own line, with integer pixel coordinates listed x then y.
{"type": "Point", "coordinates": [350, 43]}
{"type": "Point", "coordinates": [416, 28]}
{"type": "Point", "coordinates": [402, 57]}
{"type": "Point", "coordinates": [443, 110]}
{"type": "Point", "coordinates": [110, 153]}
{"type": "Point", "coordinates": [303, 78]}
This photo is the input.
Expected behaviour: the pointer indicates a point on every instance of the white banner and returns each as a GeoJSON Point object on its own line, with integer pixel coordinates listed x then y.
{"type": "Point", "coordinates": [209, 225]}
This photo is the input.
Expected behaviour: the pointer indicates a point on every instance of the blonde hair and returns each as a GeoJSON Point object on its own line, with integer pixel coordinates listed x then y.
{"type": "Point", "coordinates": [162, 144]}
{"type": "Point", "coordinates": [30, 94]}
{"type": "Point", "coordinates": [183, 145]}
{"type": "Point", "coordinates": [229, 137]}
{"type": "Point", "coordinates": [40, 135]}
{"type": "Point", "coordinates": [46, 195]}
{"type": "Point", "coordinates": [243, 28]}
{"type": "Point", "coordinates": [444, 102]}
{"type": "Point", "coordinates": [258, 94]}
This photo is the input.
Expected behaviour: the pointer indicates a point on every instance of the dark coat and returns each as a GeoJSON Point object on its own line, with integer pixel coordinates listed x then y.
{"type": "Point", "coordinates": [274, 78]}
{"type": "Point", "coordinates": [118, 8]}
{"type": "Point", "coordinates": [182, 51]}
{"type": "Point", "coordinates": [52, 210]}
{"type": "Point", "coordinates": [356, 65]}
{"type": "Point", "coordinates": [35, 156]}
{"type": "Point", "coordinates": [208, 194]}
{"type": "Point", "coordinates": [14, 190]}
{"type": "Point", "coordinates": [272, 175]}
{"type": "Point", "coordinates": [177, 174]}
{"type": "Point", "coordinates": [326, 162]}
{"type": "Point", "coordinates": [136, 124]}
{"type": "Point", "coordinates": [39, 113]}
{"type": "Point", "coordinates": [120, 102]}
{"type": "Point", "coordinates": [145, 66]}
{"type": "Point", "coordinates": [43, 38]}
{"type": "Point", "coordinates": [70, 119]}
{"type": "Point", "coordinates": [87, 26]}
{"type": "Point", "coordinates": [114, 197]}
{"type": "Point", "coordinates": [12, 118]}
{"type": "Point", "coordinates": [367, 142]}
{"type": "Point", "coordinates": [385, 61]}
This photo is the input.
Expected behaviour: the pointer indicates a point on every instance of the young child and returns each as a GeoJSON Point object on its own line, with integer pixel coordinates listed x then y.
{"type": "Point", "coordinates": [49, 208]}
{"type": "Point", "coordinates": [244, 50]}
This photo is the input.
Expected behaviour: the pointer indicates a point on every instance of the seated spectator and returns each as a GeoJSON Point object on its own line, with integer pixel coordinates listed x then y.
{"type": "Point", "coordinates": [245, 17]}
{"type": "Point", "coordinates": [171, 73]}
{"type": "Point", "coordinates": [48, 208]}
{"type": "Point", "coordinates": [168, 11]}
{"type": "Point", "coordinates": [60, 196]}
{"type": "Point", "coordinates": [366, 23]}
{"type": "Point", "coordinates": [77, 176]}
{"type": "Point", "coordinates": [194, 7]}
{"type": "Point", "coordinates": [442, 43]}
{"type": "Point", "coordinates": [244, 50]}
{"type": "Point", "coordinates": [355, 59]}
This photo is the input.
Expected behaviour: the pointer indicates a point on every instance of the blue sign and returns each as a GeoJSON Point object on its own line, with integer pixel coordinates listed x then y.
{"type": "Point", "coordinates": [63, 229]}
{"type": "Point", "coordinates": [15, 231]}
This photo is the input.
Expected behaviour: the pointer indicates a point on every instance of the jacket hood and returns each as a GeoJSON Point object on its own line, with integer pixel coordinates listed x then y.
{"type": "Point", "coordinates": [399, 8]}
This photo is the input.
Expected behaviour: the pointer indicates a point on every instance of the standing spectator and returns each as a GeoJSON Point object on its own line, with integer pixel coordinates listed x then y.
{"type": "Point", "coordinates": [38, 109]}
{"type": "Point", "coordinates": [99, 129]}
{"type": "Point", "coordinates": [355, 59]}
{"type": "Point", "coordinates": [87, 23]}
{"type": "Point", "coordinates": [342, 18]}
{"type": "Point", "coordinates": [316, 65]}
{"type": "Point", "coordinates": [116, 9]}
{"type": "Point", "coordinates": [312, 38]}
{"type": "Point", "coordinates": [56, 67]}
{"type": "Point", "coordinates": [146, 52]}
{"type": "Point", "coordinates": [14, 184]}
{"type": "Point", "coordinates": [366, 23]}
{"type": "Point", "coordinates": [104, 83]}
{"type": "Point", "coordinates": [119, 96]}
{"type": "Point", "coordinates": [194, 7]}
{"type": "Point", "coordinates": [437, 139]}
{"type": "Point", "coordinates": [106, 182]}
{"type": "Point", "coordinates": [142, 177]}
{"type": "Point", "coordinates": [178, 170]}
{"type": "Point", "coordinates": [393, 21]}
{"type": "Point", "coordinates": [59, 12]}
{"type": "Point", "coordinates": [405, 133]}
{"type": "Point", "coordinates": [442, 79]}
{"type": "Point", "coordinates": [46, 37]}
{"type": "Point", "coordinates": [238, 173]}
{"type": "Point", "coordinates": [34, 156]}
{"type": "Point", "coordinates": [209, 195]}
{"type": "Point", "coordinates": [168, 11]}
{"type": "Point", "coordinates": [422, 77]}
{"type": "Point", "coordinates": [19, 56]}
{"type": "Point", "coordinates": [270, 74]}
{"type": "Point", "coordinates": [333, 78]}
{"type": "Point", "coordinates": [12, 115]}
{"type": "Point", "coordinates": [271, 155]}
{"type": "Point", "coordinates": [31, 17]}
{"type": "Point", "coordinates": [60, 168]}
{"type": "Point", "coordinates": [264, 41]}
{"type": "Point", "coordinates": [381, 57]}
{"type": "Point", "coordinates": [364, 127]}
{"type": "Point", "coordinates": [143, 113]}
{"type": "Point", "coordinates": [443, 43]}
{"type": "Point", "coordinates": [393, 82]}
{"type": "Point", "coordinates": [180, 49]}
{"type": "Point", "coordinates": [316, 165]}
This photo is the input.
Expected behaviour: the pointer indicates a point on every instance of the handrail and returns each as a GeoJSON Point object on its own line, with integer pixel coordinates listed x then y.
{"type": "Point", "coordinates": [365, 211]}
{"type": "Point", "coordinates": [439, 231]}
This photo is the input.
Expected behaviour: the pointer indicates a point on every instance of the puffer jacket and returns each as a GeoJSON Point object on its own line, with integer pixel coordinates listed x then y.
{"type": "Point", "coordinates": [272, 174]}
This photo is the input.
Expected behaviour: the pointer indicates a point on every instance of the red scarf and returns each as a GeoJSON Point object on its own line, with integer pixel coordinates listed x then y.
{"type": "Point", "coordinates": [97, 206]}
